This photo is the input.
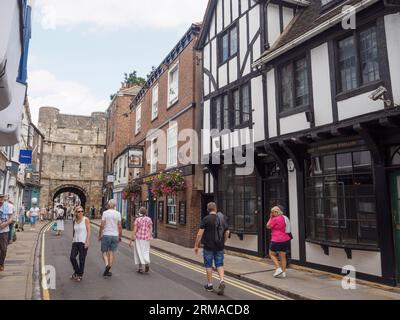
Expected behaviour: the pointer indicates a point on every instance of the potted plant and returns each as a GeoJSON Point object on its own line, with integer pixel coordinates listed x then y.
{"type": "Point", "coordinates": [168, 183]}
{"type": "Point", "coordinates": [131, 191]}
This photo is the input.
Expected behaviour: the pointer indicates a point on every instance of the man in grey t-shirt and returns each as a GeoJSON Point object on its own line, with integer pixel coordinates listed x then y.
{"type": "Point", "coordinates": [110, 235]}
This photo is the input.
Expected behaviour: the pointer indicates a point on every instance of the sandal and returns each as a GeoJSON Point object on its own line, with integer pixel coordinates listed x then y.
{"type": "Point", "coordinates": [139, 271]}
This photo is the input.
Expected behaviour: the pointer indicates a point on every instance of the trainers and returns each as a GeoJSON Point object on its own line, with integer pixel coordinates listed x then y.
{"type": "Point", "coordinates": [221, 288]}
{"type": "Point", "coordinates": [283, 275]}
{"type": "Point", "coordinates": [209, 287]}
{"type": "Point", "coordinates": [106, 271]}
{"type": "Point", "coordinates": [74, 276]}
{"type": "Point", "coordinates": [278, 272]}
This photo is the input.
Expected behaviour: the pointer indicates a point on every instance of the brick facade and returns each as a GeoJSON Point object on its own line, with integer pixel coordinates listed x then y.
{"type": "Point", "coordinates": [185, 112]}
{"type": "Point", "coordinates": [119, 120]}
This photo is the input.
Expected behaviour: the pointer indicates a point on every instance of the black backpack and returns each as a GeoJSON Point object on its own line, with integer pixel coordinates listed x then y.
{"type": "Point", "coordinates": [220, 227]}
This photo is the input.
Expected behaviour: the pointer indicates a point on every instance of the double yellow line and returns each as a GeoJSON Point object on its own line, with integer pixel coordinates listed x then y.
{"type": "Point", "coordinates": [45, 290]}
{"type": "Point", "coordinates": [238, 284]}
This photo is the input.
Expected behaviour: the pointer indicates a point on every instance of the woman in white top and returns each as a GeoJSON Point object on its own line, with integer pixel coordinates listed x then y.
{"type": "Point", "coordinates": [80, 243]}
{"type": "Point", "coordinates": [60, 220]}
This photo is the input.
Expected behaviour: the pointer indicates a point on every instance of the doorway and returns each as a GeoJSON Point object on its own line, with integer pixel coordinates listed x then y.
{"type": "Point", "coordinates": [395, 199]}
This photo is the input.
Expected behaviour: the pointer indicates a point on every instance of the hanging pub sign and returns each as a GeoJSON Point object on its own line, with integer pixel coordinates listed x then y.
{"type": "Point", "coordinates": [135, 157]}
{"type": "Point", "coordinates": [25, 156]}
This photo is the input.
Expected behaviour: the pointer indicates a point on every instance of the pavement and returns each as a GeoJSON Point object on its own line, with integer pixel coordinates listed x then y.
{"type": "Point", "coordinates": [16, 280]}
{"type": "Point", "coordinates": [169, 278]}
{"type": "Point", "coordinates": [301, 283]}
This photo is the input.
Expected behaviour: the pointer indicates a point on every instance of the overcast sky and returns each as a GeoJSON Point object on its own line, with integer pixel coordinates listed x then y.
{"type": "Point", "coordinates": [80, 49]}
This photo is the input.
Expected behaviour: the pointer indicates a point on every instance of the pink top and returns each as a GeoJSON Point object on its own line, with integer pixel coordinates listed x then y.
{"type": "Point", "coordinates": [278, 228]}
{"type": "Point", "coordinates": [143, 228]}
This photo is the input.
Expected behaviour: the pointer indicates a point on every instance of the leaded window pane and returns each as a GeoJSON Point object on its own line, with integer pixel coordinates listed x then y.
{"type": "Point", "coordinates": [226, 119]}
{"type": "Point", "coordinates": [301, 83]}
{"type": "Point", "coordinates": [225, 48]}
{"type": "Point", "coordinates": [236, 106]}
{"type": "Point", "coordinates": [369, 55]}
{"type": "Point", "coordinates": [347, 64]}
{"type": "Point", "coordinates": [287, 87]}
{"type": "Point", "coordinates": [234, 41]}
{"type": "Point", "coordinates": [246, 103]}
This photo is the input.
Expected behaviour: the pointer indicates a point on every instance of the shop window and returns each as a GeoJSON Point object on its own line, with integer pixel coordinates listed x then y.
{"type": "Point", "coordinates": [340, 200]}
{"type": "Point", "coordinates": [237, 199]}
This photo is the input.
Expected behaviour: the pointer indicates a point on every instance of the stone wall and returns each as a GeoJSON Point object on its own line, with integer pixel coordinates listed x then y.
{"type": "Point", "coordinates": [73, 153]}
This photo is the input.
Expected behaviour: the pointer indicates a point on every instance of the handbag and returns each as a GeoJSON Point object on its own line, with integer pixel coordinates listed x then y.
{"type": "Point", "coordinates": [54, 227]}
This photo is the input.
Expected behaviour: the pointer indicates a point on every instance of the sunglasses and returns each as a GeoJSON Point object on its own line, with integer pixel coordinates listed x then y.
{"type": "Point", "coordinates": [79, 211]}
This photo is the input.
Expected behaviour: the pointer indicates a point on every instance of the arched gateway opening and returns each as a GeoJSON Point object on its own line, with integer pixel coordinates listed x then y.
{"type": "Point", "coordinates": [70, 196]}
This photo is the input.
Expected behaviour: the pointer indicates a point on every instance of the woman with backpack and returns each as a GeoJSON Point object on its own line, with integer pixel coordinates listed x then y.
{"type": "Point", "coordinates": [141, 235]}
{"type": "Point", "coordinates": [80, 243]}
{"type": "Point", "coordinates": [280, 240]}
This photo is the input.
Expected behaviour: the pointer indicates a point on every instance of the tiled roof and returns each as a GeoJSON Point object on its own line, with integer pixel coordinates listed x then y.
{"type": "Point", "coordinates": [305, 20]}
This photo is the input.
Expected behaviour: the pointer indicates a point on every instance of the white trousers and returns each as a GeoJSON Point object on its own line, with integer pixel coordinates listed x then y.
{"type": "Point", "coordinates": [142, 252]}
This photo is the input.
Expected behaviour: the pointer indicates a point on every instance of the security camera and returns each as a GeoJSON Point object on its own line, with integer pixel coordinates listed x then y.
{"type": "Point", "coordinates": [378, 93]}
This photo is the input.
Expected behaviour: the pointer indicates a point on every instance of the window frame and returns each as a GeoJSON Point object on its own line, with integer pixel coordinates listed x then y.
{"type": "Point", "coordinates": [173, 126]}
{"type": "Point", "coordinates": [354, 195]}
{"type": "Point", "coordinates": [138, 119]}
{"type": "Point", "coordinates": [361, 87]}
{"type": "Point", "coordinates": [294, 109]}
{"type": "Point", "coordinates": [174, 68]}
{"type": "Point", "coordinates": [172, 214]}
{"type": "Point", "coordinates": [220, 38]}
{"type": "Point", "coordinates": [231, 109]}
{"type": "Point", "coordinates": [153, 158]}
{"type": "Point", "coordinates": [154, 102]}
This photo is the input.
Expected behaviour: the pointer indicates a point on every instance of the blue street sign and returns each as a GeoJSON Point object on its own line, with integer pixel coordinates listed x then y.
{"type": "Point", "coordinates": [25, 156]}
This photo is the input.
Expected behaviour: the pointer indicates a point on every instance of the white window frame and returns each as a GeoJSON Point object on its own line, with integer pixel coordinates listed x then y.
{"type": "Point", "coordinates": [153, 157]}
{"type": "Point", "coordinates": [154, 102]}
{"type": "Point", "coordinates": [172, 214]}
{"type": "Point", "coordinates": [172, 145]}
{"type": "Point", "coordinates": [174, 99]}
{"type": "Point", "coordinates": [138, 119]}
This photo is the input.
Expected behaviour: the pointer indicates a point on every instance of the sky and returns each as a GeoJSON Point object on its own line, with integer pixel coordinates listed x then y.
{"type": "Point", "coordinates": [80, 49]}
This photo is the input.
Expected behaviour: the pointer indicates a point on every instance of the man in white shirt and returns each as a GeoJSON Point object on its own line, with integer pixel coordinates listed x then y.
{"type": "Point", "coordinates": [110, 235]}
{"type": "Point", "coordinates": [14, 220]}
{"type": "Point", "coordinates": [5, 221]}
{"type": "Point", "coordinates": [34, 213]}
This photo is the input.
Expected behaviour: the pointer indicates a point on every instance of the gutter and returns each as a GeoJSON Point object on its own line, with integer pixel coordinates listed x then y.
{"type": "Point", "coordinates": [312, 33]}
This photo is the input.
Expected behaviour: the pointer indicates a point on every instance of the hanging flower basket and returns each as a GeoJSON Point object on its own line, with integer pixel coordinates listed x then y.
{"type": "Point", "coordinates": [131, 191]}
{"type": "Point", "coordinates": [168, 183]}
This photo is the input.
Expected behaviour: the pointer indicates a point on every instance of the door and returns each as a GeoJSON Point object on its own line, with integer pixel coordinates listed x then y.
{"type": "Point", "coordinates": [395, 196]}
{"type": "Point", "coordinates": [205, 199]}
{"type": "Point", "coordinates": [152, 212]}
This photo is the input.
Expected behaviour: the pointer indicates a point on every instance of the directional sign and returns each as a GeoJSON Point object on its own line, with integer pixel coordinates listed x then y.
{"type": "Point", "coordinates": [25, 156]}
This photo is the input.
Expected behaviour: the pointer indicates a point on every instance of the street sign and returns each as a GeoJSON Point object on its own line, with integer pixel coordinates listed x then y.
{"type": "Point", "coordinates": [25, 156]}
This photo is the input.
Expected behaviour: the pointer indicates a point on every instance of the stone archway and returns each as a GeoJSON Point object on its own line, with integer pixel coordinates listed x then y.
{"type": "Point", "coordinates": [80, 192]}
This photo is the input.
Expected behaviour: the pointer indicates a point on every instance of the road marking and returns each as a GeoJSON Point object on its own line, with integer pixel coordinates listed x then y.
{"type": "Point", "coordinates": [253, 290]}
{"type": "Point", "coordinates": [46, 293]}
{"type": "Point", "coordinates": [250, 289]}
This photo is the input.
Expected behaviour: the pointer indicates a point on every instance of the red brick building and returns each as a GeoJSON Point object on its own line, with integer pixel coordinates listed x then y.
{"type": "Point", "coordinates": [168, 104]}
{"type": "Point", "coordinates": [119, 119]}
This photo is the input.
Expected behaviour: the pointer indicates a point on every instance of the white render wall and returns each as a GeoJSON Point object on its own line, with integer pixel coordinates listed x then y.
{"type": "Point", "coordinates": [294, 123]}
{"type": "Point", "coordinates": [321, 85]}
{"type": "Point", "coordinates": [257, 100]}
{"type": "Point", "coordinates": [363, 261]}
{"type": "Point", "coordinates": [357, 106]}
{"type": "Point", "coordinates": [249, 242]}
{"type": "Point", "coordinates": [271, 103]}
{"type": "Point", "coordinates": [392, 28]}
